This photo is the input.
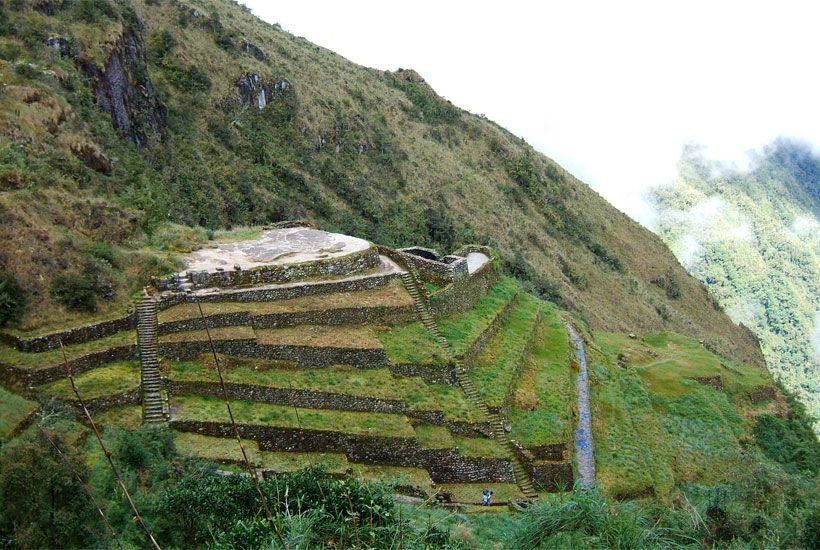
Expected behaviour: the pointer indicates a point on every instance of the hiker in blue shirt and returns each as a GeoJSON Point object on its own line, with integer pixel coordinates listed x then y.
{"type": "Point", "coordinates": [486, 495]}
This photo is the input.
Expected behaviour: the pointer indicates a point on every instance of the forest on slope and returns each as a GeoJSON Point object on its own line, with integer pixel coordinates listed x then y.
{"type": "Point", "coordinates": [753, 237]}
{"type": "Point", "coordinates": [136, 129]}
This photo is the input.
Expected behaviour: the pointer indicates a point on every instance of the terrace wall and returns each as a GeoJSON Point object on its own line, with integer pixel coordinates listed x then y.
{"type": "Point", "coordinates": [444, 465]}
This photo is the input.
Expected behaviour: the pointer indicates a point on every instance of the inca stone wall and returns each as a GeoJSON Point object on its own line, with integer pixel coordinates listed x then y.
{"type": "Point", "coordinates": [26, 377]}
{"type": "Point", "coordinates": [341, 316]}
{"type": "Point", "coordinates": [444, 465]}
{"type": "Point", "coordinates": [76, 335]}
{"type": "Point", "coordinates": [353, 263]}
{"type": "Point", "coordinates": [273, 294]}
{"type": "Point", "coordinates": [306, 356]}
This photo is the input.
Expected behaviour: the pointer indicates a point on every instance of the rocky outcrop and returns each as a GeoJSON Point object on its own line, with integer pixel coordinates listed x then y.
{"type": "Point", "coordinates": [124, 90]}
{"type": "Point", "coordinates": [250, 48]}
{"type": "Point", "coordinates": [255, 90]}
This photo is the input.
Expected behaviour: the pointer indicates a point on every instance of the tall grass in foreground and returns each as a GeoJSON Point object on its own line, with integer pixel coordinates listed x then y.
{"type": "Point", "coordinates": [586, 519]}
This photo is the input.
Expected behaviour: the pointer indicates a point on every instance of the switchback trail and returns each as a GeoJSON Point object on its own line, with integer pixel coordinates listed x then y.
{"type": "Point", "coordinates": [583, 434]}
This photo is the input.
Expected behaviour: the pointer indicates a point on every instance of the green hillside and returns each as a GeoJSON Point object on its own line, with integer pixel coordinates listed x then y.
{"type": "Point", "coordinates": [377, 392]}
{"type": "Point", "coordinates": [754, 239]}
{"type": "Point", "coordinates": [120, 118]}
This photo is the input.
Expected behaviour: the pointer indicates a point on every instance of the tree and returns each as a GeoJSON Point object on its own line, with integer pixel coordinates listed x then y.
{"type": "Point", "coordinates": [42, 504]}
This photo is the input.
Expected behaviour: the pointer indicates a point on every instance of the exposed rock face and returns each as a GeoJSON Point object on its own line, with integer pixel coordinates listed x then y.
{"type": "Point", "coordinates": [253, 90]}
{"type": "Point", "coordinates": [59, 44]}
{"type": "Point", "coordinates": [250, 48]}
{"type": "Point", "coordinates": [125, 91]}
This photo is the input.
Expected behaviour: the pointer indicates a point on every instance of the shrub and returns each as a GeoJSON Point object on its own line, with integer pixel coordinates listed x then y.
{"type": "Point", "coordinates": [12, 300]}
{"type": "Point", "coordinates": [93, 11]}
{"type": "Point", "coordinates": [9, 52]}
{"type": "Point", "coordinates": [75, 291]}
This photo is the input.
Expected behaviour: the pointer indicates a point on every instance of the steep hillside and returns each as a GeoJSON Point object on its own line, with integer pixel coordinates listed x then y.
{"type": "Point", "coordinates": [754, 239]}
{"type": "Point", "coordinates": [120, 118]}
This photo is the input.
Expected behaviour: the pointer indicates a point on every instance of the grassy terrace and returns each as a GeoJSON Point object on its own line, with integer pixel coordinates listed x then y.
{"type": "Point", "coordinates": [13, 410]}
{"type": "Point", "coordinates": [495, 366]}
{"type": "Point", "coordinates": [223, 449]}
{"type": "Point", "coordinates": [389, 295]}
{"type": "Point", "coordinates": [128, 417]}
{"type": "Point", "coordinates": [53, 357]}
{"type": "Point", "coordinates": [211, 409]}
{"type": "Point", "coordinates": [345, 336]}
{"type": "Point", "coordinates": [107, 380]}
{"type": "Point", "coordinates": [342, 379]}
{"type": "Point", "coordinates": [654, 426]}
{"type": "Point", "coordinates": [410, 344]}
{"type": "Point", "coordinates": [220, 333]}
{"type": "Point", "coordinates": [461, 330]}
{"type": "Point", "coordinates": [542, 404]}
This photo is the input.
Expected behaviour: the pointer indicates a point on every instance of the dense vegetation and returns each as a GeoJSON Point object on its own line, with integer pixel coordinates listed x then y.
{"type": "Point", "coordinates": [135, 126]}
{"type": "Point", "coordinates": [754, 238]}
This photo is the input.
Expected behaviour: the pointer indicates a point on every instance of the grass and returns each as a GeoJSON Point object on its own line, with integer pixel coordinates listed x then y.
{"type": "Point", "coordinates": [343, 379]}
{"type": "Point", "coordinates": [400, 475]}
{"type": "Point", "coordinates": [342, 336]}
{"type": "Point", "coordinates": [431, 436]}
{"type": "Point", "coordinates": [411, 344]}
{"type": "Point", "coordinates": [541, 411]}
{"type": "Point", "coordinates": [211, 409]}
{"type": "Point", "coordinates": [389, 295]}
{"type": "Point", "coordinates": [219, 333]}
{"type": "Point", "coordinates": [496, 364]}
{"type": "Point", "coordinates": [13, 410]}
{"type": "Point", "coordinates": [107, 380]}
{"type": "Point", "coordinates": [461, 330]}
{"type": "Point", "coordinates": [128, 417]}
{"type": "Point", "coordinates": [53, 357]}
{"type": "Point", "coordinates": [479, 447]}
{"type": "Point", "coordinates": [655, 426]}
{"type": "Point", "coordinates": [222, 449]}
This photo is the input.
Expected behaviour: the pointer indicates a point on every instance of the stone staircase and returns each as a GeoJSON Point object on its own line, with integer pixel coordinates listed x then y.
{"type": "Point", "coordinates": [154, 399]}
{"type": "Point", "coordinates": [522, 476]}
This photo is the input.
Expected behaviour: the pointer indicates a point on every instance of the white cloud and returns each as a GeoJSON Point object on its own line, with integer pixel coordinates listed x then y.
{"type": "Point", "coordinates": [611, 90]}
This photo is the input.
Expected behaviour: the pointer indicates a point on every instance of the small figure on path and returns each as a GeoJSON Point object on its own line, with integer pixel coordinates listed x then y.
{"type": "Point", "coordinates": [486, 497]}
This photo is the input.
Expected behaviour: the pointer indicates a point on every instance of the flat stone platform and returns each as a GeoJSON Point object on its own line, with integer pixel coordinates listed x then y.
{"type": "Point", "coordinates": [275, 247]}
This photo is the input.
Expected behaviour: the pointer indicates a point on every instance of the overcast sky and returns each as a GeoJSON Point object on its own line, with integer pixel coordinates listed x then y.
{"type": "Point", "coordinates": [611, 90]}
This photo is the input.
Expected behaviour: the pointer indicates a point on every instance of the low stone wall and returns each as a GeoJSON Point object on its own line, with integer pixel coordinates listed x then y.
{"type": "Point", "coordinates": [341, 316]}
{"type": "Point", "coordinates": [276, 293]}
{"type": "Point", "coordinates": [350, 264]}
{"type": "Point", "coordinates": [444, 465]}
{"type": "Point", "coordinates": [306, 356]}
{"type": "Point", "coordinates": [25, 378]}
{"type": "Point", "coordinates": [462, 296]}
{"type": "Point", "coordinates": [432, 374]}
{"type": "Point", "coordinates": [309, 399]}
{"type": "Point", "coordinates": [106, 402]}
{"type": "Point", "coordinates": [434, 270]}
{"type": "Point", "coordinates": [553, 452]}
{"type": "Point", "coordinates": [76, 335]}
{"type": "Point", "coordinates": [552, 476]}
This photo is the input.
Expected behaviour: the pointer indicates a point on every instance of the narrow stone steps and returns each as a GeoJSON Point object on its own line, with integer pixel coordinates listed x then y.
{"type": "Point", "coordinates": [154, 404]}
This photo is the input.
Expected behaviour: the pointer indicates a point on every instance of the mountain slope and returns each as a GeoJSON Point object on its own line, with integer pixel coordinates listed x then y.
{"type": "Point", "coordinates": [754, 239]}
{"type": "Point", "coordinates": [120, 118]}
